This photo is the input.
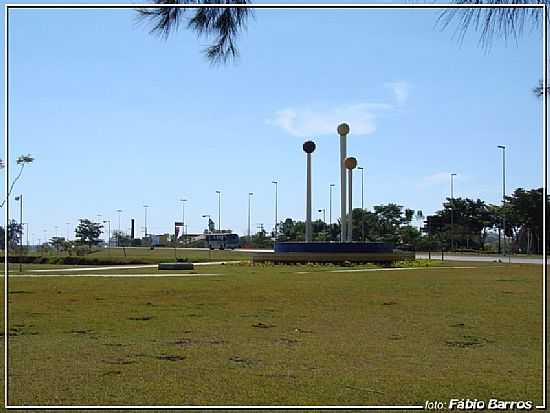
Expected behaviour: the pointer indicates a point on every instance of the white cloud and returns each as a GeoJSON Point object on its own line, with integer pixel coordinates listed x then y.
{"type": "Point", "coordinates": [309, 122]}
{"type": "Point", "coordinates": [400, 90]}
{"type": "Point", "coordinates": [442, 178]}
{"type": "Point", "coordinates": [436, 179]}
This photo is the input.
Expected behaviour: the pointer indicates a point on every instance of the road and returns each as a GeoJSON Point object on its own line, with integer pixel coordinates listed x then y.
{"type": "Point", "coordinates": [480, 258]}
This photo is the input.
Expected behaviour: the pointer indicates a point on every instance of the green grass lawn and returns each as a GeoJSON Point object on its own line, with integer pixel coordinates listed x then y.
{"type": "Point", "coordinates": [278, 335]}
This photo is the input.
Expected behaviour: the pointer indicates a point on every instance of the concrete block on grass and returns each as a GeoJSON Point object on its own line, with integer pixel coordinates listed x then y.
{"type": "Point", "coordinates": [176, 266]}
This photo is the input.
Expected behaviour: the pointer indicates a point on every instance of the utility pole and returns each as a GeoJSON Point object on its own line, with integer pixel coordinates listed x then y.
{"type": "Point", "coordinates": [250, 195]}
{"type": "Point", "coordinates": [452, 213]}
{"type": "Point", "coordinates": [503, 198]}
{"type": "Point", "coordinates": [330, 204]}
{"type": "Point", "coordinates": [362, 202]}
{"type": "Point", "coordinates": [145, 207]}
{"type": "Point", "coordinates": [276, 207]}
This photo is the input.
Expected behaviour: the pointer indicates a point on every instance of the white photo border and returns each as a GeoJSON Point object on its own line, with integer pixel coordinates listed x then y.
{"type": "Point", "coordinates": [544, 28]}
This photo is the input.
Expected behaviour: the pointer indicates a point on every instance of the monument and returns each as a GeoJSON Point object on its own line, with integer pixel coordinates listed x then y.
{"type": "Point", "coordinates": [328, 251]}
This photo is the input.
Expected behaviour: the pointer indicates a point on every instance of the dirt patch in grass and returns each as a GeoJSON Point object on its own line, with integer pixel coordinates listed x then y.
{"type": "Point", "coordinates": [242, 362]}
{"type": "Point", "coordinates": [119, 362]}
{"type": "Point", "coordinates": [262, 325]}
{"type": "Point", "coordinates": [468, 342]}
{"type": "Point", "coordinates": [142, 318]}
{"type": "Point", "coordinates": [168, 357]}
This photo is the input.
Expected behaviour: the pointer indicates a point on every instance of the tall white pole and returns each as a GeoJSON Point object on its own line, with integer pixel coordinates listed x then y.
{"type": "Point", "coordinates": [350, 164]}
{"type": "Point", "coordinates": [308, 199]}
{"type": "Point", "coordinates": [343, 130]}
{"type": "Point", "coordinates": [308, 147]}
{"type": "Point", "coordinates": [350, 205]}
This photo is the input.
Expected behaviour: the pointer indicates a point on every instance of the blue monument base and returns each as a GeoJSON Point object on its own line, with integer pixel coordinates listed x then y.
{"type": "Point", "coordinates": [334, 247]}
{"type": "Point", "coordinates": [332, 252]}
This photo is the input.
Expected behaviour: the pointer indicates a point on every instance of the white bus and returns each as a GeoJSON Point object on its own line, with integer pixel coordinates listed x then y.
{"type": "Point", "coordinates": [222, 241]}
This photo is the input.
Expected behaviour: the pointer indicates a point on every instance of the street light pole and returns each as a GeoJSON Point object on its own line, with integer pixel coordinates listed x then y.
{"type": "Point", "coordinates": [109, 234]}
{"type": "Point", "coordinates": [276, 207]}
{"type": "Point", "coordinates": [183, 201]}
{"type": "Point", "coordinates": [362, 202]}
{"type": "Point", "coordinates": [118, 237]}
{"type": "Point", "coordinates": [67, 224]}
{"type": "Point", "coordinates": [503, 198]}
{"type": "Point", "coordinates": [330, 204]}
{"type": "Point", "coordinates": [20, 199]}
{"type": "Point", "coordinates": [219, 210]}
{"type": "Point", "coordinates": [452, 212]}
{"type": "Point", "coordinates": [145, 207]}
{"type": "Point", "coordinates": [250, 194]}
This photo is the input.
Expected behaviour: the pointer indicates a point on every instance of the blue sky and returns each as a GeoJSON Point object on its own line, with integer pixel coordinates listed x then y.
{"type": "Point", "coordinates": [117, 118]}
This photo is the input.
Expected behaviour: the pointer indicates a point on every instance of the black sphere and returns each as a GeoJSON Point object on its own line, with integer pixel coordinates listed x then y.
{"type": "Point", "coordinates": [309, 147]}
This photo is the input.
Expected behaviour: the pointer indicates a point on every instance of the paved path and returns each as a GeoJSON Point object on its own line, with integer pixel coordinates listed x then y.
{"type": "Point", "coordinates": [114, 275]}
{"type": "Point", "coordinates": [481, 258]}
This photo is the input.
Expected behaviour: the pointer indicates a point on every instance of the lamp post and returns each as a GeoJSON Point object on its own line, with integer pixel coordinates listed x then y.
{"type": "Point", "coordinates": [503, 199]}
{"type": "Point", "coordinates": [20, 199]}
{"type": "Point", "coordinates": [109, 234]}
{"type": "Point", "coordinates": [183, 201]}
{"type": "Point", "coordinates": [118, 236]}
{"type": "Point", "coordinates": [308, 147]}
{"type": "Point", "coordinates": [276, 206]}
{"type": "Point", "coordinates": [362, 202]}
{"type": "Point", "coordinates": [219, 210]}
{"type": "Point", "coordinates": [343, 130]}
{"type": "Point", "coordinates": [250, 195]}
{"type": "Point", "coordinates": [330, 204]}
{"type": "Point", "coordinates": [145, 207]}
{"type": "Point", "coordinates": [452, 212]}
{"type": "Point", "coordinates": [67, 228]}
{"type": "Point", "coordinates": [56, 228]}
{"type": "Point", "coordinates": [350, 164]}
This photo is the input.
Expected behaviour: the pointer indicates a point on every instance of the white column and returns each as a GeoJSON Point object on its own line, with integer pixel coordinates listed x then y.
{"type": "Point", "coordinates": [308, 200]}
{"type": "Point", "coordinates": [343, 130]}
{"type": "Point", "coordinates": [350, 205]}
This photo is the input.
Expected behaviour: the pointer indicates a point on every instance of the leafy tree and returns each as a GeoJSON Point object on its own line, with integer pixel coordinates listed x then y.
{"type": "Point", "coordinates": [121, 239]}
{"type": "Point", "coordinates": [15, 232]}
{"type": "Point", "coordinates": [88, 232]}
{"type": "Point", "coordinates": [22, 160]}
{"type": "Point", "coordinates": [222, 23]}
{"type": "Point", "coordinates": [211, 225]}
{"type": "Point", "coordinates": [58, 243]}
{"type": "Point", "coordinates": [525, 219]}
{"type": "Point", "coordinates": [260, 240]}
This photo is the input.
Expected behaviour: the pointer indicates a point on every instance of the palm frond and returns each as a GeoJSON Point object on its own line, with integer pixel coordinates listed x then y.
{"type": "Point", "coordinates": [224, 24]}
{"type": "Point", "coordinates": [507, 23]}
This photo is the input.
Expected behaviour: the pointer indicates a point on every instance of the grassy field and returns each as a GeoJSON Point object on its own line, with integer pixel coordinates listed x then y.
{"type": "Point", "coordinates": [128, 256]}
{"type": "Point", "coordinates": [278, 335]}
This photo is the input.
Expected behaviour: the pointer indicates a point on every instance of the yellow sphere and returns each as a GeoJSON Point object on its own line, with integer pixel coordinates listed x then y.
{"type": "Point", "coordinates": [350, 163]}
{"type": "Point", "coordinates": [343, 129]}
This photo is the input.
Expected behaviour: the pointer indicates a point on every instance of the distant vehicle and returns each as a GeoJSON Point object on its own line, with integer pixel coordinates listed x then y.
{"type": "Point", "coordinates": [222, 241]}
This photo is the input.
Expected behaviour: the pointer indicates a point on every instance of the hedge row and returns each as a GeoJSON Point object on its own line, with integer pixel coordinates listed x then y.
{"type": "Point", "coordinates": [29, 259]}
